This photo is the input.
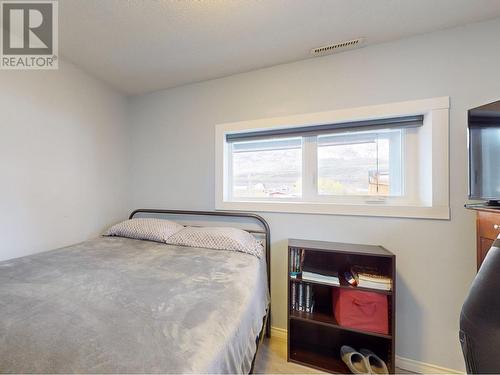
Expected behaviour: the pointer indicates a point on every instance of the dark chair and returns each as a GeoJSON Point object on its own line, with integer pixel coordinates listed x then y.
{"type": "Point", "coordinates": [480, 317]}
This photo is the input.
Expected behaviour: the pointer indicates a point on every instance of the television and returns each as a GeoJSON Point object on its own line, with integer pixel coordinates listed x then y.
{"type": "Point", "coordinates": [484, 153]}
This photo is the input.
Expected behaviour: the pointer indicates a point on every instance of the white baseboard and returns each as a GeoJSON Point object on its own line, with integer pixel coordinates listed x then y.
{"type": "Point", "coordinates": [401, 362]}
{"type": "Point", "coordinates": [422, 367]}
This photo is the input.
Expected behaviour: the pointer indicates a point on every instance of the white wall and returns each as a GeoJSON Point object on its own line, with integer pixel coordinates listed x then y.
{"type": "Point", "coordinates": [62, 159]}
{"type": "Point", "coordinates": [173, 163]}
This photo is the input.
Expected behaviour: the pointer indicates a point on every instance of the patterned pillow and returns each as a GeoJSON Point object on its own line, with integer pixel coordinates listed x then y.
{"type": "Point", "coordinates": [145, 229]}
{"type": "Point", "coordinates": [218, 238]}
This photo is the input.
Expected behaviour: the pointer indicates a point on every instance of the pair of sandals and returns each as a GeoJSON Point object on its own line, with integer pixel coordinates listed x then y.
{"type": "Point", "coordinates": [362, 362]}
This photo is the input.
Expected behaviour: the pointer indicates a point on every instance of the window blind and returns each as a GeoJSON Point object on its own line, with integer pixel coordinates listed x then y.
{"type": "Point", "coordinates": [301, 131]}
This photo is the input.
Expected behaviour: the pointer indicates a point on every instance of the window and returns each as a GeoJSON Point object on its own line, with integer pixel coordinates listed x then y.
{"type": "Point", "coordinates": [355, 166]}
{"type": "Point", "coordinates": [348, 162]}
{"type": "Point", "coordinates": [363, 164]}
{"type": "Point", "coordinates": [267, 169]}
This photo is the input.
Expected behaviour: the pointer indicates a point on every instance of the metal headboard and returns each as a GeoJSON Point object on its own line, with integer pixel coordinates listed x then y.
{"type": "Point", "coordinates": [263, 223]}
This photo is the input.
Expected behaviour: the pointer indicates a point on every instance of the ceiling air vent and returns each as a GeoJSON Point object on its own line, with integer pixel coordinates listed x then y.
{"type": "Point", "coordinates": [337, 47]}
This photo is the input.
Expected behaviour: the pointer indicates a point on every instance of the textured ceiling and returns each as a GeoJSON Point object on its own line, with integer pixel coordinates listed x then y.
{"type": "Point", "coordinates": [141, 46]}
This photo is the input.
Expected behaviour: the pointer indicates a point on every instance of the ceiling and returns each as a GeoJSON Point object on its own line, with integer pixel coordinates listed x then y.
{"type": "Point", "coordinates": [139, 46]}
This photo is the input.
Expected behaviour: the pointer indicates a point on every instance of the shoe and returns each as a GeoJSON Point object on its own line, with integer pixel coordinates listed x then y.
{"type": "Point", "coordinates": [356, 362]}
{"type": "Point", "coordinates": [375, 363]}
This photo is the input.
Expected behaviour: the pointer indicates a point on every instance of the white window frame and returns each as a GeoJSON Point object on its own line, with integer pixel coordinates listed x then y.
{"type": "Point", "coordinates": [431, 201]}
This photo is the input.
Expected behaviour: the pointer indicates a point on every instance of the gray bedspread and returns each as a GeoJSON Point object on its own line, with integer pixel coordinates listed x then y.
{"type": "Point", "coordinates": [116, 305]}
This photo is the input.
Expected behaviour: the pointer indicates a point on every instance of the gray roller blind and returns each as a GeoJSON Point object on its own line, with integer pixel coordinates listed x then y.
{"type": "Point", "coordinates": [386, 123]}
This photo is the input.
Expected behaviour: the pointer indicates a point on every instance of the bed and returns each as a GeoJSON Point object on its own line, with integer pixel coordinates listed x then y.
{"type": "Point", "coordinates": [120, 305]}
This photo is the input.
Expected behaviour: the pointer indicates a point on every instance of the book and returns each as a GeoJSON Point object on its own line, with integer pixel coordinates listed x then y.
{"type": "Point", "coordinates": [301, 297]}
{"type": "Point", "coordinates": [296, 259]}
{"type": "Point", "coordinates": [370, 277]}
{"type": "Point", "coordinates": [293, 296]}
{"type": "Point", "coordinates": [293, 273]}
{"type": "Point", "coordinates": [374, 278]}
{"type": "Point", "coordinates": [311, 276]}
{"type": "Point", "coordinates": [309, 299]}
{"type": "Point", "coordinates": [372, 285]}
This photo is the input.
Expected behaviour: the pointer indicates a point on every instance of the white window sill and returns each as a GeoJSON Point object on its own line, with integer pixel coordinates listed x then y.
{"type": "Point", "coordinates": [417, 212]}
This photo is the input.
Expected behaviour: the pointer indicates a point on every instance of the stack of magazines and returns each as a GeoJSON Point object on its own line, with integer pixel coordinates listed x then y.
{"type": "Point", "coordinates": [301, 298]}
{"type": "Point", "coordinates": [314, 269]}
{"type": "Point", "coordinates": [321, 278]}
{"type": "Point", "coordinates": [368, 277]}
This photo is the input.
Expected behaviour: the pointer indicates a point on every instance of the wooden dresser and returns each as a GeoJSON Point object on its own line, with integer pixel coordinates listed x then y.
{"type": "Point", "coordinates": [487, 230]}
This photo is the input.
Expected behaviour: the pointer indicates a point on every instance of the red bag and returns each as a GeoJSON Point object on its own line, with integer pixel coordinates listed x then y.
{"type": "Point", "coordinates": [367, 311]}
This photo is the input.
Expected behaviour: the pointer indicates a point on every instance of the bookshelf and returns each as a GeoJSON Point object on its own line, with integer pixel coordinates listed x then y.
{"type": "Point", "coordinates": [315, 338]}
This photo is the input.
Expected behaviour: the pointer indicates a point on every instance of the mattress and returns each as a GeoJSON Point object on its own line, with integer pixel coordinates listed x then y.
{"type": "Point", "coordinates": [116, 305]}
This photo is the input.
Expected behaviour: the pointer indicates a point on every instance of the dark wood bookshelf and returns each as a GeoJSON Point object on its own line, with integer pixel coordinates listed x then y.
{"type": "Point", "coordinates": [319, 361]}
{"type": "Point", "coordinates": [315, 338]}
{"type": "Point", "coordinates": [343, 285]}
{"type": "Point", "coordinates": [330, 321]}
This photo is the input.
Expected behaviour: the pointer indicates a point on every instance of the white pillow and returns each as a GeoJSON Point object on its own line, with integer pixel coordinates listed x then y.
{"type": "Point", "coordinates": [223, 238]}
{"type": "Point", "coordinates": [145, 229]}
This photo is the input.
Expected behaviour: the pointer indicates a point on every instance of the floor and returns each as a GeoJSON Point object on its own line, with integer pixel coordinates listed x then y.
{"type": "Point", "coordinates": [271, 359]}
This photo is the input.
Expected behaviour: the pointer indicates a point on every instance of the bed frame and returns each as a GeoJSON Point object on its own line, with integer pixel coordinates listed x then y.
{"type": "Point", "coordinates": [266, 325]}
